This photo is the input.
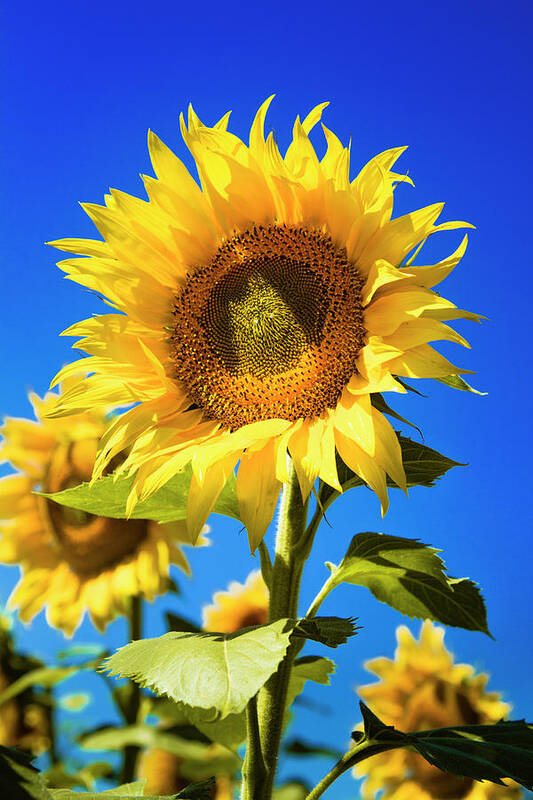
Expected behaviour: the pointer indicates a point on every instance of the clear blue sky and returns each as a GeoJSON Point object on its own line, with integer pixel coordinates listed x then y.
{"type": "Point", "coordinates": [84, 82]}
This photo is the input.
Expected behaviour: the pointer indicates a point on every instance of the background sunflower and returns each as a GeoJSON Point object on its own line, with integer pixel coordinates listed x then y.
{"type": "Point", "coordinates": [71, 561]}
{"type": "Point", "coordinates": [422, 688]}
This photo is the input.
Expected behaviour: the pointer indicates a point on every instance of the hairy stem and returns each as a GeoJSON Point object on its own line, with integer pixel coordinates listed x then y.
{"type": "Point", "coordinates": [253, 771]}
{"type": "Point", "coordinates": [131, 710]}
{"type": "Point", "coordinates": [292, 548]}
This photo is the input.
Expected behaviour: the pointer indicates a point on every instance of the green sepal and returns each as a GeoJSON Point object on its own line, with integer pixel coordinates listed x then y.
{"type": "Point", "coordinates": [456, 382]}
{"type": "Point", "coordinates": [107, 497]}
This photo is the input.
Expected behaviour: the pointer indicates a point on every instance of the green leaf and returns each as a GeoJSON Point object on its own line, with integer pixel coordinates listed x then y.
{"type": "Point", "coordinates": [19, 780]}
{"type": "Point", "coordinates": [456, 382]}
{"type": "Point", "coordinates": [379, 402]}
{"type": "Point", "coordinates": [230, 731]}
{"type": "Point", "coordinates": [374, 728]}
{"type": "Point", "coordinates": [482, 752]}
{"type": "Point", "coordinates": [298, 747]}
{"type": "Point", "coordinates": [197, 759]}
{"type": "Point", "coordinates": [43, 676]}
{"type": "Point", "coordinates": [177, 623]}
{"type": "Point", "coordinates": [331, 631]}
{"type": "Point", "coordinates": [309, 668]}
{"type": "Point", "coordinates": [58, 777]}
{"type": "Point", "coordinates": [294, 790]}
{"type": "Point", "coordinates": [423, 465]}
{"type": "Point", "coordinates": [107, 498]}
{"type": "Point", "coordinates": [409, 576]}
{"type": "Point", "coordinates": [214, 671]}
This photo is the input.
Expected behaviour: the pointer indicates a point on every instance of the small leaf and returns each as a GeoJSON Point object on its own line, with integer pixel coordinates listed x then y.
{"type": "Point", "coordinates": [298, 747]}
{"type": "Point", "coordinates": [230, 731]}
{"type": "Point", "coordinates": [331, 631]}
{"type": "Point", "coordinates": [19, 780]}
{"type": "Point", "coordinates": [107, 498]}
{"type": "Point", "coordinates": [482, 752]}
{"type": "Point", "coordinates": [293, 790]}
{"type": "Point", "coordinates": [43, 676]}
{"type": "Point", "coordinates": [379, 402]}
{"type": "Point", "coordinates": [309, 668]}
{"type": "Point", "coordinates": [177, 623]}
{"type": "Point", "coordinates": [410, 577]}
{"type": "Point", "coordinates": [375, 728]}
{"type": "Point", "coordinates": [456, 382]}
{"type": "Point", "coordinates": [215, 671]}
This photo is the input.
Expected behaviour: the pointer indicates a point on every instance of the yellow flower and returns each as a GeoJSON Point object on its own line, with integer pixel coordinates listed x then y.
{"type": "Point", "coordinates": [163, 775]}
{"type": "Point", "coordinates": [24, 720]}
{"type": "Point", "coordinates": [256, 315]}
{"type": "Point", "coordinates": [241, 606]}
{"type": "Point", "coordinates": [72, 561]}
{"type": "Point", "coordinates": [421, 689]}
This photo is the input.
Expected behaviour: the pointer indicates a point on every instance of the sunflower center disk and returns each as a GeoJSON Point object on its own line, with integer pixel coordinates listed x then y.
{"type": "Point", "coordinates": [270, 328]}
{"type": "Point", "coordinates": [88, 543]}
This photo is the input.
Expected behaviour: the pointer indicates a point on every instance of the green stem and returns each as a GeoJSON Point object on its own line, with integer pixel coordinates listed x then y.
{"type": "Point", "coordinates": [359, 753]}
{"type": "Point", "coordinates": [253, 771]}
{"type": "Point", "coordinates": [292, 548]}
{"type": "Point", "coordinates": [131, 712]}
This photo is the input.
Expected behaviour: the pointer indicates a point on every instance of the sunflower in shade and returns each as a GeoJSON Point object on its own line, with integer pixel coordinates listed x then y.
{"type": "Point", "coordinates": [72, 561]}
{"type": "Point", "coordinates": [241, 606]}
{"type": "Point", "coordinates": [25, 718]}
{"type": "Point", "coordinates": [421, 689]}
{"type": "Point", "coordinates": [256, 315]}
{"type": "Point", "coordinates": [163, 775]}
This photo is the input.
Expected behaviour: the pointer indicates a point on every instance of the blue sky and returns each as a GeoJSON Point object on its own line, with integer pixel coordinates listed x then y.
{"type": "Point", "coordinates": [83, 85]}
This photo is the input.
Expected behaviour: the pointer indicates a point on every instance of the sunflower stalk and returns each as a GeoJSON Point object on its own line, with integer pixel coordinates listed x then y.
{"type": "Point", "coordinates": [131, 708]}
{"type": "Point", "coordinates": [361, 751]}
{"type": "Point", "coordinates": [292, 549]}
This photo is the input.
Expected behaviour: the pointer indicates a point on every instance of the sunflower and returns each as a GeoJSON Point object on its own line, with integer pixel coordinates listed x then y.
{"type": "Point", "coordinates": [25, 719]}
{"type": "Point", "coordinates": [73, 561]}
{"type": "Point", "coordinates": [421, 689]}
{"type": "Point", "coordinates": [163, 775]}
{"type": "Point", "coordinates": [256, 315]}
{"type": "Point", "coordinates": [241, 606]}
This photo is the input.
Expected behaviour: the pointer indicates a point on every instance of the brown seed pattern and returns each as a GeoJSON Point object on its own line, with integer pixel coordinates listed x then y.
{"type": "Point", "coordinates": [270, 328]}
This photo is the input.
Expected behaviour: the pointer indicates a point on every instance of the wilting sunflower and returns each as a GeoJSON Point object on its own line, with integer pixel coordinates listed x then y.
{"type": "Point", "coordinates": [241, 606]}
{"type": "Point", "coordinates": [421, 689]}
{"type": "Point", "coordinates": [72, 561]}
{"type": "Point", "coordinates": [257, 314]}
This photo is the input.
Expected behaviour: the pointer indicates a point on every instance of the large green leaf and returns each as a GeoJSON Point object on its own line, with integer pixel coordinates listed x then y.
{"type": "Point", "coordinates": [214, 671]}
{"type": "Point", "coordinates": [107, 498]}
{"type": "Point", "coordinates": [481, 752]}
{"type": "Point", "coordinates": [19, 780]}
{"type": "Point", "coordinates": [409, 576]}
